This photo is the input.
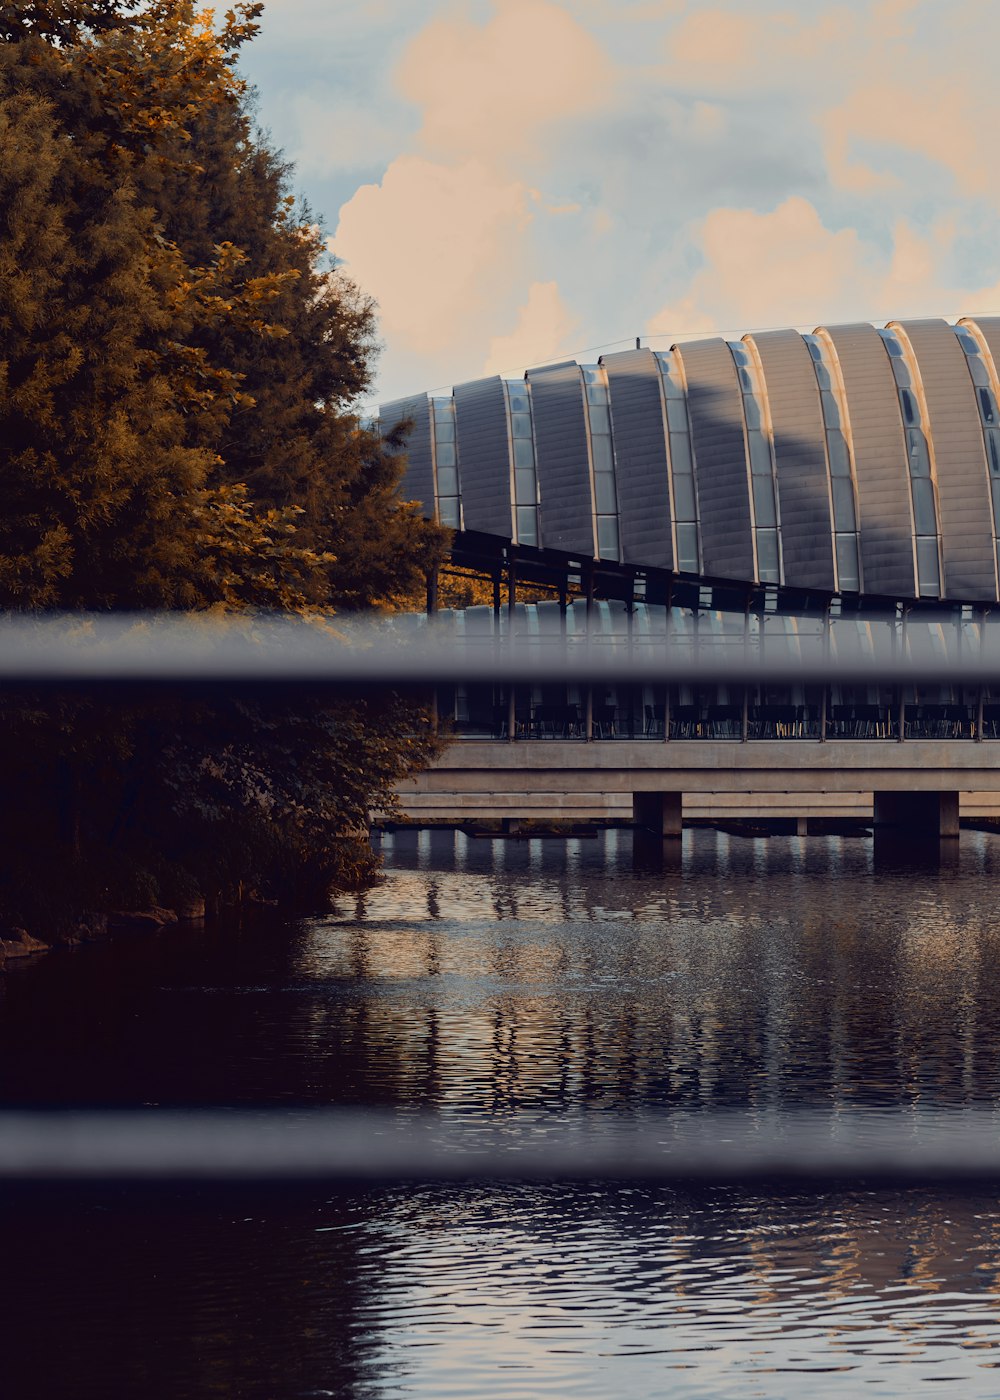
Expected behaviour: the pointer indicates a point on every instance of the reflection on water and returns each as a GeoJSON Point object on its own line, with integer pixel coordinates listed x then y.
{"type": "Point", "coordinates": [501, 980]}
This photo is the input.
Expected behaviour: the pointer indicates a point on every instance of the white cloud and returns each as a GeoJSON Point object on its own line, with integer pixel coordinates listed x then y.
{"type": "Point", "coordinates": [785, 268]}
{"type": "Point", "coordinates": [488, 89]}
{"type": "Point", "coordinates": [545, 327]}
{"type": "Point", "coordinates": [727, 50]}
{"type": "Point", "coordinates": [439, 244]}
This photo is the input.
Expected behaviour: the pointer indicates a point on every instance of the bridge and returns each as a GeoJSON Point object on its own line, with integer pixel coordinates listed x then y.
{"type": "Point", "coordinates": [921, 786]}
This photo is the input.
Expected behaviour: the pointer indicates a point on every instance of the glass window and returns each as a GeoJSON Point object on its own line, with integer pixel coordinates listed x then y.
{"type": "Point", "coordinates": [444, 454]}
{"type": "Point", "coordinates": [993, 450]}
{"type": "Point", "coordinates": [920, 461]}
{"type": "Point", "coordinates": [847, 564]}
{"type": "Point", "coordinates": [823, 376]}
{"type": "Point", "coordinates": [763, 501]}
{"type": "Point", "coordinates": [604, 493]}
{"type": "Point", "coordinates": [767, 556]}
{"type": "Point", "coordinates": [740, 354]}
{"type": "Point", "coordinates": [527, 525]}
{"type": "Point", "coordinates": [444, 430]}
{"type": "Point", "coordinates": [591, 373]}
{"type": "Point", "coordinates": [987, 406]}
{"type": "Point", "coordinates": [909, 403]}
{"type": "Point", "coordinates": [524, 487]}
{"type": "Point", "coordinates": [680, 454]}
{"type": "Point", "coordinates": [840, 459]}
{"type": "Point", "coordinates": [924, 514]}
{"type": "Point", "coordinates": [902, 374]}
{"type": "Point", "coordinates": [520, 425]}
{"type": "Point", "coordinates": [520, 400]}
{"type": "Point", "coordinates": [444, 409]}
{"type": "Point", "coordinates": [687, 548]}
{"type": "Point", "coordinates": [672, 387]}
{"type": "Point", "coordinates": [684, 502]}
{"type": "Point", "coordinates": [928, 571]}
{"type": "Point", "coordinates": [891, 343]}
{"type": "Point", "coordinates": [995, 489]}
{"type": "Point", "coordinates": [752, 413]}
{"type": "Point", "coordinates": [600, 420]}
{"type": "Point", "coordinates": [815, 349]}
{"type": "Point", "coordinates": [967, 340]}
{"type": "Point", "coordinates": [597, 393]}
{"type": "Point", "coordinates": [843, 503]}
{"type": "Point", "coordinates": [607, 536]}
{"type": "Point", "coordinates": [831, 410]}
{"type": "Point", "coordinates": [448, 513]}
{"type": "Point", "coordinates": [677, 417]}
{"type": "Point", "coordinates": [524, 453]}
{"type": "Point", "coordinates": [748, 381]}
{"type": "Point", "coordinates": [601, 450]}
{"type": "Point", "coordinates": [447, 481]}
{"type": "Point", "coordinates": [760, 455]}
{"type": "Point", "coordinates": [977, 368]}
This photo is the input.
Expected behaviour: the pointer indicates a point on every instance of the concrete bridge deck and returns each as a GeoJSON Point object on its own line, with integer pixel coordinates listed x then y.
{"type": "Point", "coordinates": [656, 781]}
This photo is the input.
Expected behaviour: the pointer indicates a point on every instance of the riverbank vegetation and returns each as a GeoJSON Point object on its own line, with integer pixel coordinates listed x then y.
{"type": "Point", "coordinates": [180, 363]}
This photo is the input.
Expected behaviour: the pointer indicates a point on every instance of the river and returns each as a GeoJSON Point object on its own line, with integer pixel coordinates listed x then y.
{"type": "Point", "coordinates": [515, 981]}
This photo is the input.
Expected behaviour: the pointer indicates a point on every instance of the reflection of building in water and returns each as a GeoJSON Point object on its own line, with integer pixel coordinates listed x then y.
{"type": "Point", "coordinates": [544, 974]}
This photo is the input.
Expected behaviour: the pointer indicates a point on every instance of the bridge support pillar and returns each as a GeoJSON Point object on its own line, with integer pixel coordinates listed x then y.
{"type": "Point", "coordinates": [919, 813]}
{"type": "Point", "coordinates": [658, 812]}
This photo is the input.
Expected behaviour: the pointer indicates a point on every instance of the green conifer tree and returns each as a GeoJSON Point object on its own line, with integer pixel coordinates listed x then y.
{"type": "Point", "coordinates": [178, 370]}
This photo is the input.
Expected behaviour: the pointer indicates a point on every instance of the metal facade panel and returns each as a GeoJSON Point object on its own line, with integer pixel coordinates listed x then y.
{"type": "Point", "coordinates": [800, 459]}
{"type": "Point", "coordinates": [562, 459]}
{"type": "Point", "coordinates": [886, 525]}
{"type": "Point", "coordinates": [965, 519]}
{"type": "Point", "coordinates": [418, 478]}
{"type": "Point", "coordinates": [715, 406]}
{"type": "Point", "coordinates": [640, 459]}
{"type": "Point", "coordinates": [484, 456]}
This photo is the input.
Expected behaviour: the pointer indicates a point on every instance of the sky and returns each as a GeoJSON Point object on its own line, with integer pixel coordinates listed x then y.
{"type": "Point", "coordinates": [518, 181]}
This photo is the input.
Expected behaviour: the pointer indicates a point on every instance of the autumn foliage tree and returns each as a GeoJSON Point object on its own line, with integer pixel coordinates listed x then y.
{"type": "Point", "coordinates": [179, 369]}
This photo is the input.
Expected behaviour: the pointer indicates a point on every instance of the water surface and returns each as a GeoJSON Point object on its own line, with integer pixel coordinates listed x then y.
{"type": "Point", "coordinates": [514, 982]}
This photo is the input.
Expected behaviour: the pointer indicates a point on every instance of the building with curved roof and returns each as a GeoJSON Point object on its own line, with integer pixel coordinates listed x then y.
{"type": "Point", "coordinates": [853, 461]}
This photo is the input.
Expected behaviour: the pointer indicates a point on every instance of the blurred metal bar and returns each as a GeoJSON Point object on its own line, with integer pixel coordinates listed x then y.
{"type": "Point", "coordinates": [377, 1146]}
{"type": "Point", "coordinates": [413, 649]}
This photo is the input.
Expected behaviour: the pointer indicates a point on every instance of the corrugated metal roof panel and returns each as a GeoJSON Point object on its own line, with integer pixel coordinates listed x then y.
{"type": "Point", "coordinates": [966, 515]}
{"type": "Point", "coordinates": [418, 479]}
{"type": "Point", "coordinates": [640, 459]}
{"type": "Point", "coordinates": [800, 459]}
{"type": "Point", "coordinates": [886, 525]}
{"type": "Point", "coordinates": [563, 459]}
{"type": "Point", "coordinates": [716, 412]}
{"type": "Point", "coordinates": [484, 456]}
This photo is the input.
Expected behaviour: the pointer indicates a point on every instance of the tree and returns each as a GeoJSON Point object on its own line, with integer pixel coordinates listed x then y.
{"type": "Point", "coordinates": [179, 367]}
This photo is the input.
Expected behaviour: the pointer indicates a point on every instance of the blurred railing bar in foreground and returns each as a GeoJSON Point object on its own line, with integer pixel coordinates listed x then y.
{"type": "Point", "coordinates": [411, 648]}
{"type": "Point", "coordinates": [373, 1146]}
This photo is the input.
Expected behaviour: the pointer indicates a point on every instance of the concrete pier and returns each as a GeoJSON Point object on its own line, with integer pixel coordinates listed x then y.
{"type": "Point", "coordinates": [932, 814]}
{"type": "Point", "coordinates": [659, 813]}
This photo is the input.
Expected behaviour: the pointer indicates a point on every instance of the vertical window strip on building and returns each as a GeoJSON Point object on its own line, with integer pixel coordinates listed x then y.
{"type": "Point", "coordinates": [840, 463]}
{"type": "Point", "coordinates": [983, 373]}
{"type": "Point", "coordinates": [925, 515]}
{"type": "Point", "coordinates": [444, 450]}
{"type": "Point", "coordinates": [764, 489]}
{"type": "Point", "coordinates": [683, 487]}
{"type": "Point", "coordinates": [602, 456]}
{"type": "Point", "coordinates": [522, 449]}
